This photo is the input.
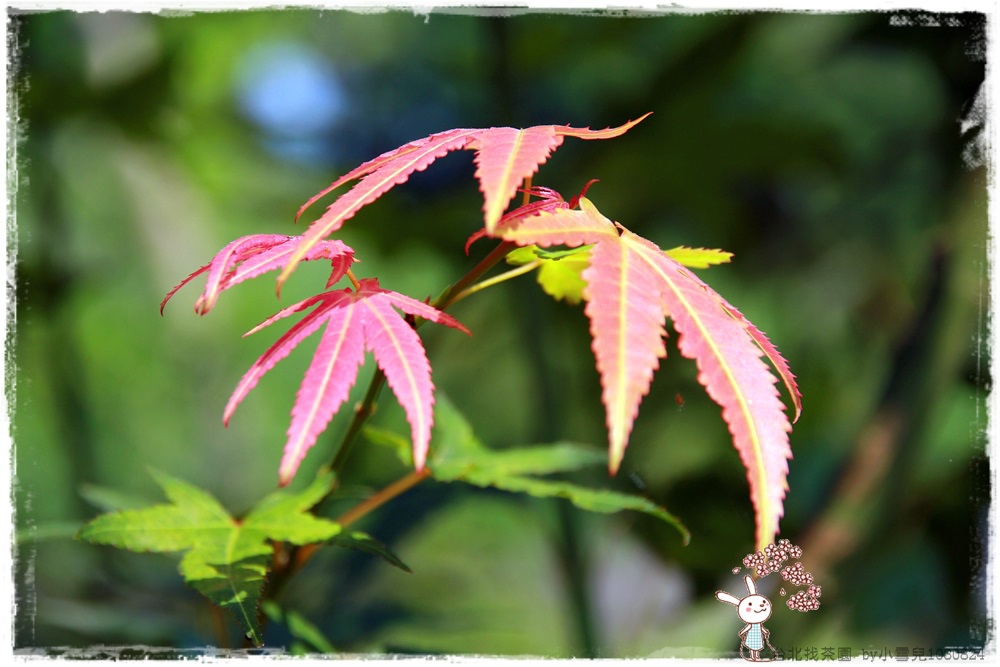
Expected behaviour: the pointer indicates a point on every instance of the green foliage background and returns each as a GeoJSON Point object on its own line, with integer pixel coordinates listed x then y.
{"type": "Point", "coordinates": [825, 151]}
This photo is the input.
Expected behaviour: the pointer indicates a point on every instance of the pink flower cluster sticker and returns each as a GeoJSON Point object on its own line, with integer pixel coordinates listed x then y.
{"type": "Point", "coordinates": [754, 608]}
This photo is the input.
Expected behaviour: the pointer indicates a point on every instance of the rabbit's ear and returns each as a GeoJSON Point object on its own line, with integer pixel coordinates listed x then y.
{"type": "Point", "coordinates": [751, 586]}
{"type": "Point", "coordinates": [727, 597]}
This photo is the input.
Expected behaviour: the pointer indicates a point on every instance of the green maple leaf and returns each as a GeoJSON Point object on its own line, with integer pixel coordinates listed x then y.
{"type": "Point", "coordinates": [226, 558]}
{"type": "Point", "coordinates": [459, 456]}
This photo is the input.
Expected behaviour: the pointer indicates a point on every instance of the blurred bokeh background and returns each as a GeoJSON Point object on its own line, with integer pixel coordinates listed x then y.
{"type": "Point", "coordinates": [838, 157]}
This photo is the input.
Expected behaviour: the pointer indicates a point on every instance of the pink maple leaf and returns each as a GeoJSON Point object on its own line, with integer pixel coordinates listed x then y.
{"type": "Point", "coordinates": [250, 256]}
{"type": "Point", "coordinates": [505, 156]}
{"type": "Point", "coordinates": [356, 322]}
{"type": "Point", "coordinates": [631, 287]}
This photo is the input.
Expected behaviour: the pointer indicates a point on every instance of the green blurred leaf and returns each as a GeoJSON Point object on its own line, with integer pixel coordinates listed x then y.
{"type": "Point", "coordinates": [592, 500]}
{"type": "Point", "coordinates": [226, 558]}
{"type": "Point", "coordinates": [487, 465]}
{"type": "Point", "coordinates": [109, 500]}
{"type": "Point", "coordinates": [458, 456]}
{"type": "Point", "coordinates": [306, 634]}
{"type": "Point", "coordinates": [394, 441]}
{"type": "Point", "coordinates": [54, 530]}
{"type": "Point", "coordinates": [368, 544]}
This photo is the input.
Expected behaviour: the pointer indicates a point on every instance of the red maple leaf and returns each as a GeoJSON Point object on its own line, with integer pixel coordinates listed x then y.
{"type": "Point", "coordinates": [631, 287]}
{"type": "Point", "coordinates": [356, 322]}
{"type": "Point", "coordinates": [505, 156]}
{"type": "Point", "coordinates": [250, 256]}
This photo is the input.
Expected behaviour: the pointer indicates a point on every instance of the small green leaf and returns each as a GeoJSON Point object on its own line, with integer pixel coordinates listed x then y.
{"type": "Point", "coordinates": [524, 255]}
{"type": "Point", "coordinates": [532, 252]}
{"type": "Point", "coordinates": [456, 455]}
{"type": "Point", "coordinates": [368, 544]}
{"type": "Point", "coordinates": [226, 559]}
{"type": "Point", "coordinates": [457, 451]}
{"type": "Point", "coordinates": [699, 258]}
{"type": "Point", "coordinates": [560, 272]}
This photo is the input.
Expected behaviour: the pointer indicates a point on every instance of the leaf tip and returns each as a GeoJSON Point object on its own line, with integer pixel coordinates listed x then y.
{"type": "Point", "coordinates": [286, 472]}
{"type": "Point", "coordinates": [583, 193]}
{"type": "Point", "coordinates": [613, 465]}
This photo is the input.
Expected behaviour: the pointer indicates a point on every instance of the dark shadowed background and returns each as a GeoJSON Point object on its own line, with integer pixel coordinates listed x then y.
{"type": "Point", "coordinates": [836, 156]}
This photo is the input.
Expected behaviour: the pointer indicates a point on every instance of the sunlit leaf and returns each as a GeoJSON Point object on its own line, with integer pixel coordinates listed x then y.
{"type": "Point", "coordinates": [505, 156]}
{"type": "Point", "coordinates": [356, 322]}
{"type": "Point", "coordinates": [250, 256]}
{"type": "Point", "coordinates": [631, 287]}
{"type": "Point", "coordinates": [699, 258]}
{"type": "Point", "coordinates": [559, 272]}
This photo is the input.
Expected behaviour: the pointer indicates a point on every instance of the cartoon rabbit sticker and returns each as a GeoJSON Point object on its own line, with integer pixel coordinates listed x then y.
{"type": "Point", "coordinates": [753, 609]}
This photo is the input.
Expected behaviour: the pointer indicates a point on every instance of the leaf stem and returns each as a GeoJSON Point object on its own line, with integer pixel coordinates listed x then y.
{"type": "Point", "coordinates": [302, 554]}
{"type": "Point", "coordinates": [450, 295]}
{"type": "Point", "coordinates": [354, 280]}
{"type": "Point", "coordinates": [383, 496]}
{"type": "Point", "coordinates": [496, 280]}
